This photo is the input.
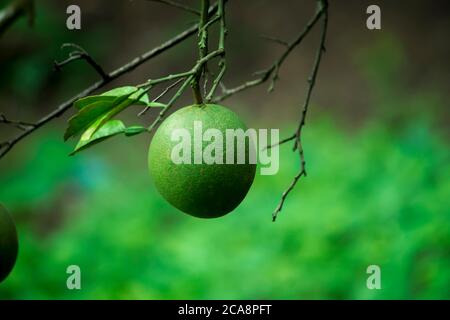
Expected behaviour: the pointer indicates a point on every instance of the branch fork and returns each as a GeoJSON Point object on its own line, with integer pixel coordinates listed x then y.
{"type": "Point", "coordinates": [80, 54]}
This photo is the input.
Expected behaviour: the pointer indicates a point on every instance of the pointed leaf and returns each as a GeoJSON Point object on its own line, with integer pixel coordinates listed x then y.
{"type": "Point", "coordinates": [84, 102]}
{"type": "Point", "coordinates": [83, 119]}
{"type": "Point", "coordinates": [138, 96]}
{"type": "Point", "coordinates": [104, 109]}
{"type": "Point", "coordinates": [133, 130]}
{"type": "Point", "coordinates": [156, 105]}
{"type": "Point", "coordinates": [120, 91]}
{"type": "Point", "coordinates": [107, 130]}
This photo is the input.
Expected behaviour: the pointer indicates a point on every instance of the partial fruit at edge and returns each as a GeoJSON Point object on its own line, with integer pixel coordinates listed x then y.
{"type": "Point", "coordinates": [9, 244]}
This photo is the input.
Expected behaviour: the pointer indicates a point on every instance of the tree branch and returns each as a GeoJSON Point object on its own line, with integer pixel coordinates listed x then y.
{"type": "Point", "coordinates": [171, 102]}
{"type": "Point", "coordinates": [167, 89]}
{"type": "Point", "coordinates": [323, 6]}
{"type": "Point", "coordinates": [22, 125]}
{"type": "Point", "coordinates": [202, 48]}
{"type": "Point", "coordinates": [190, 75]}
{"type": "Point", "coordinates": [222, 61]}
{"type": "Point", "coordinates": [80, 54]}
{"type": "Point", "coordinates": [6, 146]}
{"type": "Point", "coordinates": [283, 141]}
{"type": "Point", "coordinates": [272, 71]}
{"type": "Point", "coordinates": [275, 40]}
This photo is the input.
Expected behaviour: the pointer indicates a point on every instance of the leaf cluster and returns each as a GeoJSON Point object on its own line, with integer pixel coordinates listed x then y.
{"type": "Point", "coordinates": [95, 121]}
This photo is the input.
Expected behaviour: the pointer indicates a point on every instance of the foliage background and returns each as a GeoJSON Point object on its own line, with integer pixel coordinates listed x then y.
{"type": "Point", "coordinates": [376, 143]}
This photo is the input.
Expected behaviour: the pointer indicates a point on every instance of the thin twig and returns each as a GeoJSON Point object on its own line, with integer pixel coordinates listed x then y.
{"type": "Point", "coordinates": [210, 22]}
{"type": "Point", "coordinates": [208, 74]}
{"type": "Point", "coordinates": [275, 40]}
{"type": "Point", "coordinates": [202, 50]}
{"type": "Point", "coordinates": [285, 194]}
{"type": "Point", "coordinates": [223, 87]}
{"type": "Point", "coordinates": [323, 6]}
{"type": "Point", "coordinates": [167, 90]}
{"type": "Point", "coordinates": [80, 54]}
{"type": "Point", "coordinates": [272, 71]}
{"type": "Point", "coordinates": [160, 96]}
{"type": "Point", "coordinates": [171, 103]}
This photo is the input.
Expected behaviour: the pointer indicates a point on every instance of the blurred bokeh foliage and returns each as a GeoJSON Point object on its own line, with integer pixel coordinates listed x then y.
{"type": "Point", "coordinates": [28, 53]}
{"type": "Point", "coordinates": [370, 198]}
{"type": "Point", "coordinates": [375, 194]}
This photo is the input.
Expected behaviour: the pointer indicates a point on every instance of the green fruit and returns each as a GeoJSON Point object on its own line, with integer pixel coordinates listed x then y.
{"type": "Point", "coordinates": [8, 243]}
{"type": "Point", "coordinates": [201, 190]}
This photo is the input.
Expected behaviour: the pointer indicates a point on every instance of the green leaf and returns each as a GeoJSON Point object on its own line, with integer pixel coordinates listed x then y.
{"type": "Point", "coordinates": [104, 106]}
{"type": "Point", "coordinates": [156, 105]}
{"type": "Point", "coordinates": [94, 135]}
{"type": "Point", "coordinates": [133, 130]}
{"type": "Point", "coordinates": [107, 130]}
{"type": "Point", "coordinates": [120, 91]}
{"type": "Point", "coordinates": [89, 114]}
{"type": "Point", "coordinates": [138, 96]}
{"type": "Point", "coordinates": [84, 102]}
{"type": "Point", "coordinates": [102, 110]}
{"type": "Point", "coordinates": [95, 113]}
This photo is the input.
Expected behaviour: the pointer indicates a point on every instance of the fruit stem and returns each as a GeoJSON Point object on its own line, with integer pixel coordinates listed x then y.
{"type": "Point", "coordinates": [202, 48]}
{"type": "Point", "coordinates": [196, 92]}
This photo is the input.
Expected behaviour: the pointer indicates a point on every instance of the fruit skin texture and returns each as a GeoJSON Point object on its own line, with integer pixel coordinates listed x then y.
{"type": "Point", "coordinates": [9, 245]}
{"type": "Point", "coordinates": [201, 190]}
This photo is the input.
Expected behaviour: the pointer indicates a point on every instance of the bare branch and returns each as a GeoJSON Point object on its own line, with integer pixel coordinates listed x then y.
{"type": "Point", "coordinates": [285, 194]}
{"type": "Point", "coordinates": [275, 40]}
{"type": "Point", "coordinates": [312, 77]}
{"type": "Point", "coordinates": [202, 50]}
{"type": "Point", "coordinates": [18, 124]}
{"type": "Point", "coordinates": [171, 102]}
{"type": "Point", "coordinates": [210, 22]}
{"type": "Point", "coordinates": [160, 96]}
{"type": "Point", "coordinates": [222, 61]}
{"type": "Point", "coordinates": [80, 54]}
{"type": "Point", "coordinates": [178, 6]}
{"type": "Point", "coordinates": [283, 141]}
{"type": "Point", "coordinates": [223, 87]}
{"type": "Point", "coordinates": [323, 6]}
{"type": "Point", "coordinates": [272, 71]}
{"type": "Point", "coordinates": [167, 90]}
{"type": "Point", "coordinates": [208, 74]}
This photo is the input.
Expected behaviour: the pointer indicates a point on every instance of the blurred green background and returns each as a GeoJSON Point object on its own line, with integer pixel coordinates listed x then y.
{"type": "Point", "coordinates": [376, 143]}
